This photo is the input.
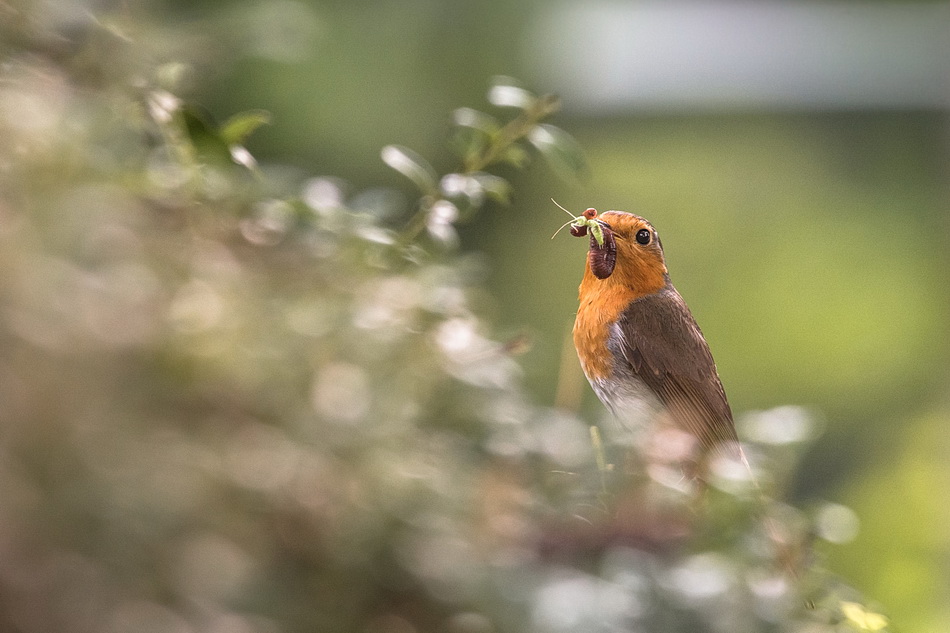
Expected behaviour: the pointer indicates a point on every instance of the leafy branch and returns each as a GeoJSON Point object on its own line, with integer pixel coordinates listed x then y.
{"type": "Point", "coordinates": [481, 142]}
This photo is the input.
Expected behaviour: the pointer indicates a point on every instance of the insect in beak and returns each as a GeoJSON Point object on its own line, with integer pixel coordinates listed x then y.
{"type": "Point", "coordinates": [582, 223]}
{"type": "Point", "coordinates": [603, 248]}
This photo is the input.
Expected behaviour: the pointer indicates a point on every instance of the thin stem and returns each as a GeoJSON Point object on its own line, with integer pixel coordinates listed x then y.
{"type": "Point", "coordinates": [418, 221]}
{"type": "Point", "coordinates": [514, 131]}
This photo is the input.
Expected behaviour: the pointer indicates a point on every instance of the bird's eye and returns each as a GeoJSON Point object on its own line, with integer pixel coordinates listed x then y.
{"type": "Point", "coordinates": [643, 236]}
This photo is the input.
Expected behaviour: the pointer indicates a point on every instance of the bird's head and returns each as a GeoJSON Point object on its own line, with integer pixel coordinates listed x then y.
{"type": "Point", "coordinates": [631, 254]}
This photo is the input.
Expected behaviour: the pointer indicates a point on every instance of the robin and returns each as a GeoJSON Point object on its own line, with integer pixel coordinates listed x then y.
{"type": "Point", "coordinates": [637, 341]}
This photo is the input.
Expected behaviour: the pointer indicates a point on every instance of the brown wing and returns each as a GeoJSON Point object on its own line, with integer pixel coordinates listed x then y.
{"type": "Point", "coordinates": [664, 347]}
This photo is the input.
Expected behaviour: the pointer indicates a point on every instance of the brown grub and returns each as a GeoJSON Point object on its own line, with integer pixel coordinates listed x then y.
{"type": "Point", "coordinates": [603, 258]}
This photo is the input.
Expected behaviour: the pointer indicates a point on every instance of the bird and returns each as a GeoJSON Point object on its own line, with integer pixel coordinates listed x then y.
{"type": "Point", "coordinates": [637, 341]}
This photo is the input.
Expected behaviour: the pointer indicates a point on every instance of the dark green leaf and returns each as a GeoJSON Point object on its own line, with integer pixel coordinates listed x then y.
{"type": "Point", "coordinates": [209, 147]}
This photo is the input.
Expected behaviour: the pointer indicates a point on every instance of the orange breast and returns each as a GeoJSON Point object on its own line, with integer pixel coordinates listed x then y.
{"type": "Point", "coordinates": [602, 301]}
{"type": "Point", "coordinates": [600, 306]}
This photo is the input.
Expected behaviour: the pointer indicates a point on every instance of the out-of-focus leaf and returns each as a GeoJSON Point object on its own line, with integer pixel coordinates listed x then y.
{"type": "Point", "coordinates": [239, 127]}
{"type": "Point", "coordinates": [468, 143]}
{"type": "Point", "coordinates": [162, 106]}
{"type": "Point", "coordinates": [464, 189]}
{"type": "Point", "coordinates": [209, 146]}
{"type": "Point", "coordinates": [560, 150]}
{"type": "Point", "coordinates": [241, 156]}
{"type": "Point", "coordinates": [412, 166]}
{"type": "Point", "coordinates": [861, 619]}
{"type": "Point", "coordinates": [471, 118]}
{"type": "Point", "coordinates": [440, 223]}
{"type": "Point", "coordinates": [516, 155]}
{"type": "Point", "coordinates": [505, 93]}
{"type": "Point", "coordinates": [495, 187]}
{"type": "Point", "coordinates": [473, 133]}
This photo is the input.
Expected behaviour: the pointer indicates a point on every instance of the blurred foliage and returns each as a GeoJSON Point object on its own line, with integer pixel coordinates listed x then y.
{"type": "Point", "coordinates": [242, 396]}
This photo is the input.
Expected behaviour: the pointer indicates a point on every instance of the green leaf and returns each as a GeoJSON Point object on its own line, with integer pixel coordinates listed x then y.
{"type": "Point", "coordinates": [239, 127]}
{"type": "Point", "coordinates": [468, 143]}
{"type": "Point", "coordinates": [495, 187]}
{"type": "Point", "coordinates": [412, 166]}
{"type": "Point", "coordinates": [473, 132]}
{"type": "Point", "coordinates": [471, 118]}
{"type": "Point", "coordinates": [505, 93]}
{"type": "Point", "coordinates": [209, 147]}
{"type": "Point", "coordinates": [560, 150]}
{"type": "Point", "coordinates": [516, 155]}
